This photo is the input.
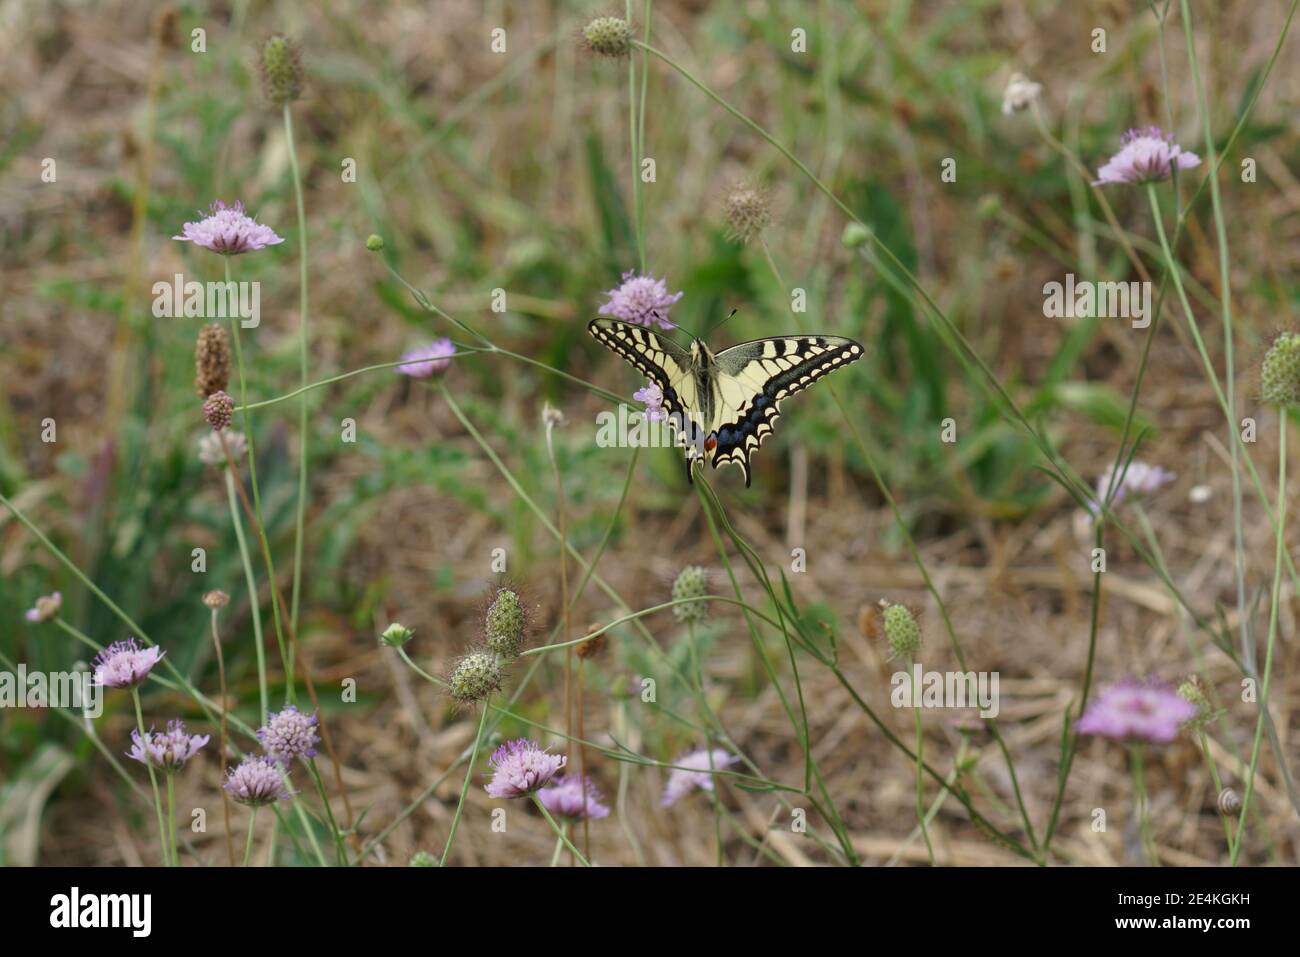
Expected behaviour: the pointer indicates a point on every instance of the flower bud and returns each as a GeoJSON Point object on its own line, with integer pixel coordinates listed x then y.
{"type": "Point", "coordinates": [374, 242]}
{"type": "Point", "coordinates": [422, 859]}
{"type": "Point", "coordinates": [855, 235]}
{"type": "Point", "coordinates": [395, 635]}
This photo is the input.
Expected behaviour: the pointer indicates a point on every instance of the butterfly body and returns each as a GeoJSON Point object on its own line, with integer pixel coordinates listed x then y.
{"type": "Point", "coordinates": [725, 404]}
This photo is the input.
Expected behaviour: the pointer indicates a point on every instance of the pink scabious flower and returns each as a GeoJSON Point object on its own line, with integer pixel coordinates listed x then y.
{"type": "Point", "coordinates": [641, 299]}
{"type": "Point", "coordinates": [46, 608]}
{"type": "Point", "coordinates": [228, 230]}
{"type": "Point", "coordinates": [256, 782]}
{"type": "Point", "coordinates": [168, 750]}
{"type": "Point", "coordinates": [425, 361]}
{"type": "Point", "coordinates": [1146, 155]}
{"type": "Point", "coordinates": [1139, 479]}
{"type": "Point", "coordinates": [289, 734]}
{"type": "Point", "coordinates": [521, 767]}
{"type": "Point", "coordinates": [693, 771]}
{"type": "Point", "coordinates": [124, 664]}
{"type": "Point", "coordinates": [573, 797]}
{"type": "Point", "coordinates": [653, 397]}
{"type": "Point", "coordinates": [1136, 711]}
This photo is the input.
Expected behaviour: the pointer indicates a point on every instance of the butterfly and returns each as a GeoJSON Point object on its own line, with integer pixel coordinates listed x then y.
{"type": "Point", "coordinates": [726, 403]}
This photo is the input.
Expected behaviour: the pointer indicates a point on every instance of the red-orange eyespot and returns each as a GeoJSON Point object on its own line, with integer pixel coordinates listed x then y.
{"type": "Point", "coordinates": [710, 443]}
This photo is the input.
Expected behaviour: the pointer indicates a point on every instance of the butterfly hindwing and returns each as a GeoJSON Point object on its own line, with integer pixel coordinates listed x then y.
{"type": "Point", "coordinates": [754, 377]}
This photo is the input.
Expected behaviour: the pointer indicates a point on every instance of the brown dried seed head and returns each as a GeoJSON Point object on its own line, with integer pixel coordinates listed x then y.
{"type": "Point", "coordinates": [211, 360]}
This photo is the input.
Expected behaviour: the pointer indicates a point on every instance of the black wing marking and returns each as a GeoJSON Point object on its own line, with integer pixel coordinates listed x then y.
{"type": "Point", "coordinates": [754, 377]}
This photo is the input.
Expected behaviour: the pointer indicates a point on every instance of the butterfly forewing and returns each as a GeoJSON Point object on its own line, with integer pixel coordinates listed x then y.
{"type": "Point", "coordinates": [753, 378]}
{"type": "Point", "coordinates": [664, 363]}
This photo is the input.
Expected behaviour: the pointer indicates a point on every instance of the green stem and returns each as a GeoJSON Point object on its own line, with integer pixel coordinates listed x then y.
{"type": "Point", "coordinates": [153, 779]}
{"type": "Point", "coordinates": [339, 846]}
{"type": "Point", "coordinates": [464, 788]}
{"type": "Point", "coordinates": [1141, 806]}
{"type": "Point", "coordinates": [559, 832]}
{"type": "Point", "coordinates": [1274, 604]}
{"type": "Point", "coordinates": [171, 817]}
{"type": "Point", "coordinates": [302, 358]}
{"type": "Point", "coordinates": [920, 764]}
{"type": "Point", "coordinates": [252, 829]}
{"type": "Point", "coordinates": [254, 606]}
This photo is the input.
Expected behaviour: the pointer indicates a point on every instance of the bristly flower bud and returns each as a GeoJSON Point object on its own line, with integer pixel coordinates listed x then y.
{"type": "Point", "coordinates": [374, 242]}
{"type": "Point", "coordinates": [216, 599]}
{"type": "Point", "coordinates": [1193, 692]}
{"type": "Point", "coordinates": [1281, 370]}
{"type": "Point", "coordinates": [690, 583]}
{"type": "Point", "coordinates": [901, 630]}
{"type": "Point", "coordinates": [211, 360]}
{"type": "Point", "coordinates": [608, 36]}
{"type": "Point", "coordinates": [219, 410]}
{"type": "Point", "coordinates": [505, 624]}
{"type": "Point", "coordinates": [476, 676]}
{"type": "Point", "coordinates": [422, 859]}
{"type": "Point", "coordinates": [396, 635]}
{"type": "Point", "coordinates": [748, 212]}
{"type": "Point", "coordinates": [281, 69]}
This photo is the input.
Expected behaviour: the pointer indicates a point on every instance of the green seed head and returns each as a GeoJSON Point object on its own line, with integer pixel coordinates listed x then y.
{"type": "Point", "coordinates": [374, 242]}
{"type": "Point", "coordinates": [901, 630]}
{"type": "Point", "coordinates": [608, 36]}
{"type": "Point", "coordinates": [691, 583]}
{"type": "Point", "coordinates": [396, 635]}
{"type": "Point", "coordinates": [281, 68]}
{"type": "Point", "coordinates": [1281, 370]}
{"type": "Point", "coordinates": [1193, 692]}
{"type": "Point", "coordinates": [423, 859]}
{"type": "Point", "coordinates": [477, 675]}
{"type": "Point", "coordinates": [506, 623]}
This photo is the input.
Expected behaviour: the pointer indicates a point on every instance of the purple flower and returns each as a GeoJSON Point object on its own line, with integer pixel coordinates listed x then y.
{"type": "Point", "coordinates": [289, 734]}
{"type": "Point", "coordinates": [521, 767]}
{"type": "Point", "coordinates": [228, 230]}
{"type": "Point", "coordinates": [653, 397]}
{"type": "Point", "coordinates": [681, 781]}
{"type": "Point", "coordinates": [169, 750]}
{"type": "Point", "coordinates": [573, 797]}
{"type": "Point", "coordinates": [46, 608]}
{"type": "Point", "coordinates": [124, 664]}
{"type": "Point", "coordinates": [257, 781]}
{"type": "Point", "coordinates": [641, 299]}
{"type": "Point", "coordinates": [425, 361]}
{"type": "Point", "coordinates": [1146, 156]}
{"type": "Point", "coordinates": [1136, 711]}
{"type": "Point", "coordinates": [1139, 479]}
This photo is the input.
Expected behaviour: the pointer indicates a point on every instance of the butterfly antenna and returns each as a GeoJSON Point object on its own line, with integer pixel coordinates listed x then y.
{"type": "Point", "coordinates": [718, 325]}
